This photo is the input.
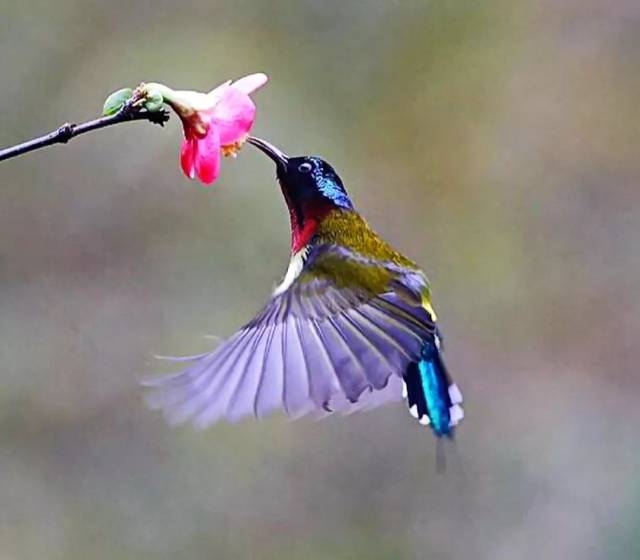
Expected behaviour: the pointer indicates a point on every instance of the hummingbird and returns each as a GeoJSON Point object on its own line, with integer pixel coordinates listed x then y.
{"type": "Point", "coordinates": [351, 326]}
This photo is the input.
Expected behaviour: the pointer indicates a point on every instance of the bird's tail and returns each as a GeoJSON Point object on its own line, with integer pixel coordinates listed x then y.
{"type": "Point", "coordinates": [432, 397]}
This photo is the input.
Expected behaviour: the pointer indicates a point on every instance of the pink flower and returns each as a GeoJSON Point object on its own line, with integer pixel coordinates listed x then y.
{"type": "Point", "coordinates": [214, 123]}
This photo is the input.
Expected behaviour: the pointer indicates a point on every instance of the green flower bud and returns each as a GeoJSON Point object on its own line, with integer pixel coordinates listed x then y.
{"type": "Point", "coordinates": [153, 101]}
{"type": "Point", "coordinates": [116, 100]}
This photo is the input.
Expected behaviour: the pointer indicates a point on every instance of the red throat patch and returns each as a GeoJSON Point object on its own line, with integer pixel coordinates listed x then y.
{"type": "Point", "coordinates": [305, 225]}
{"type": "Point", "coordinates": [300, 236]}
{"type": "Point", "coordinates": [312, 218]}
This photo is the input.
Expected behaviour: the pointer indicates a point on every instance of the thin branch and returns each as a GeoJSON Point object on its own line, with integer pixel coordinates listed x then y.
{"type": "Point", "coordinates": [130, 111]}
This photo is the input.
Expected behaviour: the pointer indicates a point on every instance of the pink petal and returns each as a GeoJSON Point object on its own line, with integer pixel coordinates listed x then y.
{"type": "Point", "coordinates": [250, 83]}
{"type": "Point", "coordinates": [207, 161]}
{"type": "Point", "coordinates": [188, 156]}
{"type": "Point", "coordinates": [233, 116]}
{"type": "Point", "coordinates": [216, 93]}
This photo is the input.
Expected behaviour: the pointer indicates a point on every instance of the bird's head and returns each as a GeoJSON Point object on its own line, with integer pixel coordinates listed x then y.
{"type": "Point", "coordinates": [311, 188]}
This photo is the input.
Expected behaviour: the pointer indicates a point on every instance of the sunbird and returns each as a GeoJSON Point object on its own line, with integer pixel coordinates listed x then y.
{"type": "Point", "coordinates": [350, 327]}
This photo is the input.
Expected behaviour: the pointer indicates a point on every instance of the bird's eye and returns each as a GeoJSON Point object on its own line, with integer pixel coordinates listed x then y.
{"type": "Point", "coordinates": [305, 167]}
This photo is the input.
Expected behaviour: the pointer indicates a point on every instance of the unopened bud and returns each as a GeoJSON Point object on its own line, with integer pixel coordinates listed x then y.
{"type": "Point", "coordinates": [154, 100]}
{"type": "Point", "coordinates": [116, 101]}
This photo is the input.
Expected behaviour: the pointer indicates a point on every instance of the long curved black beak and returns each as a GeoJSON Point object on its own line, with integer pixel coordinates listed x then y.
{"type": "Point", "coordinates": [278, 156]}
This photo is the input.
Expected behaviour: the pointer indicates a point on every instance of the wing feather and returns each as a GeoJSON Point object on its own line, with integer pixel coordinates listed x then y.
{"type": "Point", "coordinates": [269, 395]}
{"type": "Point", "coordinates": [296, 391]}
{"type": "Point", "coordinates": [324, 381]}
{"type": "Point", "coordinates": [320, 344]}
{"type": "Point", "coordinates": [240, 401]}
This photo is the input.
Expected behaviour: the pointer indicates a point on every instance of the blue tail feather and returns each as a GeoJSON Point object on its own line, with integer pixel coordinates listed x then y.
{"type": "Point", "coordinates": [431, 395]}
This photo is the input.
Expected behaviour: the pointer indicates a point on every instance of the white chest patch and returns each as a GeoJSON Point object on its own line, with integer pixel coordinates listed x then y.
{"type": "Point", "coordinates": [296, 264]}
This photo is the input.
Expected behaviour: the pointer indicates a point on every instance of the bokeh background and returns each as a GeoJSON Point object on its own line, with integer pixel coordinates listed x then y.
{"type": "Point", "coordinates": [496, 142]}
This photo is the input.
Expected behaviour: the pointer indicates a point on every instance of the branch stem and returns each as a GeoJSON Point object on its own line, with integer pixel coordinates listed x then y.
{"type": "Point", "coordinates": [129, 112]}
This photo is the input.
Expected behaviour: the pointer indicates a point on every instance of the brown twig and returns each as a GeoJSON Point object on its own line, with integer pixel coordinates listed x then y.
{"type": "Point", "coordinates": [130, 111]}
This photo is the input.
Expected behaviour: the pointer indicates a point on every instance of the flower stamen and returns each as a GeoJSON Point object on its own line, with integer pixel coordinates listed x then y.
{"type": "Point", "coordinates": [231, 150]}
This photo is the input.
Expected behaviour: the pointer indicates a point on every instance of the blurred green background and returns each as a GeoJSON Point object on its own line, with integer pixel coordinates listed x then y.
{"type": "Point", "coordinates": [496, 142]}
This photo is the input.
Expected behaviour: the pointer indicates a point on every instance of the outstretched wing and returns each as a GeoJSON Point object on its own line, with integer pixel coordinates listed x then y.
{"type": "Point", "coordinates": [337, 335]}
